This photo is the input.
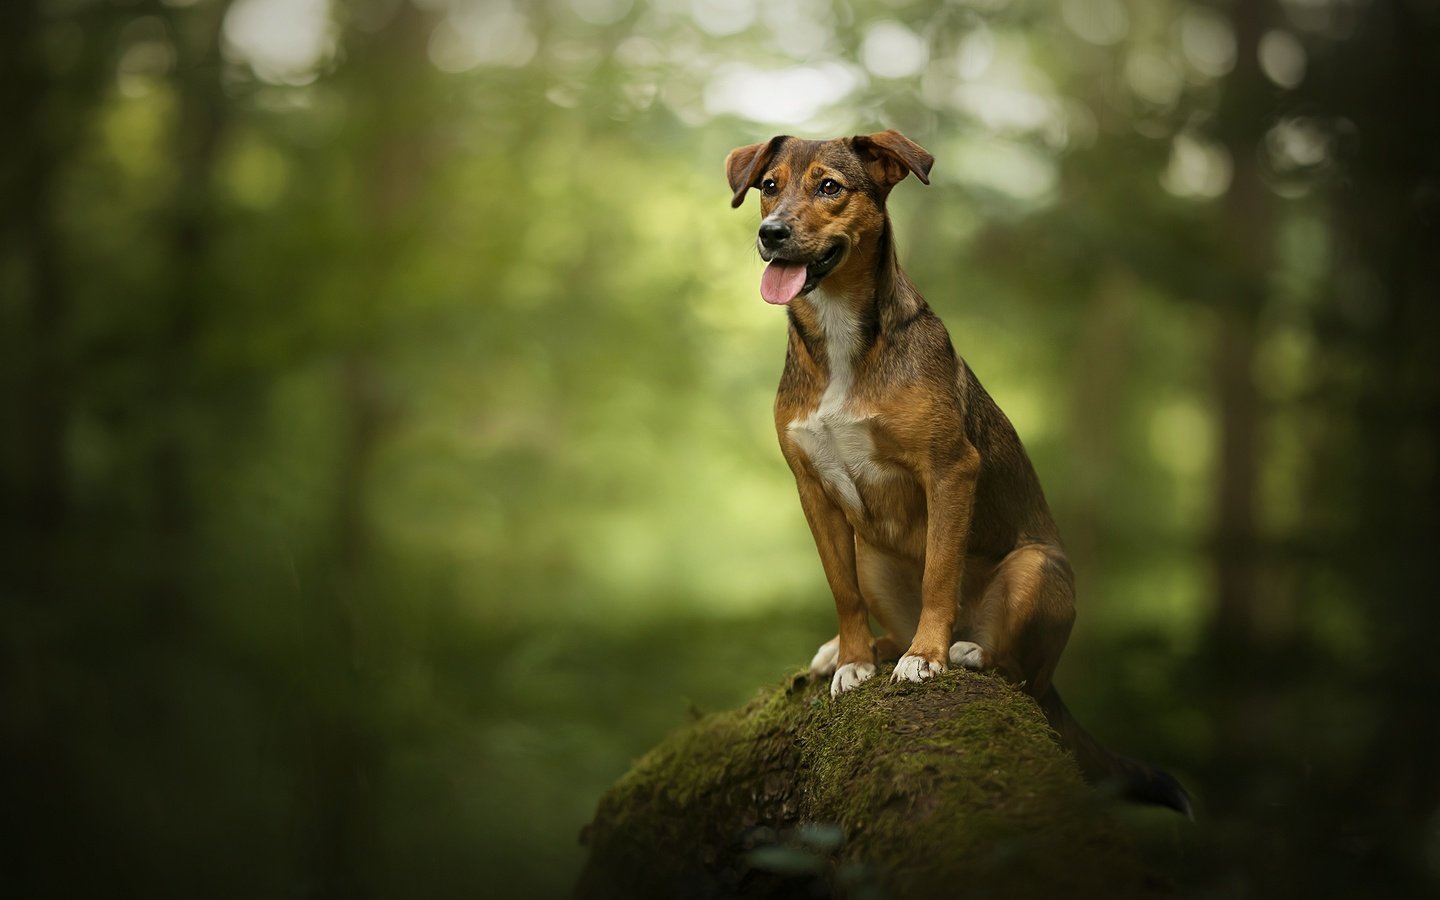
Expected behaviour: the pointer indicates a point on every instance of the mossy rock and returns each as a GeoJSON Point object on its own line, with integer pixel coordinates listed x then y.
{"type": "Point", "coordinates": [952, 787]}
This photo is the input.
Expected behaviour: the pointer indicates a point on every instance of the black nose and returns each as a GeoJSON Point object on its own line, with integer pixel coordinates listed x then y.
{"type": "Point", "coordinates": [773, 234]}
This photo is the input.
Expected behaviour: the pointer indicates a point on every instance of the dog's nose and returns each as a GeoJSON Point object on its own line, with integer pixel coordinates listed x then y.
{"type": "Point", "coordinates": [773, 233]}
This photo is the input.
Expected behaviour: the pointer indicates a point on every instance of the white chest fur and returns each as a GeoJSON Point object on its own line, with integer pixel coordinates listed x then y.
{"type": "Point", "coordinates": [840, 448]}
{"type": "Point", "coordinates": [836, 440]}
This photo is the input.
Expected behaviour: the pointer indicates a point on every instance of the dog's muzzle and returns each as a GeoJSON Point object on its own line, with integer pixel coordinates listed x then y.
{"type": "Point", "coordinates": [773, 234]}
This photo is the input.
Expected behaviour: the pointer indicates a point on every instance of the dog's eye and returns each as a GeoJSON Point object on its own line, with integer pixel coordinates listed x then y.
{"type": "Point", "coordinates": [769, 186]}
{"type": "Point", "coordinates": [829, 187]}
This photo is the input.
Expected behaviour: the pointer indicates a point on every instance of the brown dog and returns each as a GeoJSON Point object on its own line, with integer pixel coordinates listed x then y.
{"type": "Point", "coordinates": [925, 509]}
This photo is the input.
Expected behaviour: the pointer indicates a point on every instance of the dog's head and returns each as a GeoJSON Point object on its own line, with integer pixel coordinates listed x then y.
{"type": "Point", "coordinates": [819, 200]}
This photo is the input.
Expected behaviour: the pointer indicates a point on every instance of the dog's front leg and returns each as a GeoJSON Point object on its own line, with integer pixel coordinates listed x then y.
{"type": "Point", "coordinates": [950, 503]}
{"type": "Point", "coordinates": [835, 540]}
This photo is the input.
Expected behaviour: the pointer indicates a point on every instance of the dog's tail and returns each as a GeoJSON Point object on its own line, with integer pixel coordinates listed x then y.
{"type": "Point", "coordinates": [1130, 778]}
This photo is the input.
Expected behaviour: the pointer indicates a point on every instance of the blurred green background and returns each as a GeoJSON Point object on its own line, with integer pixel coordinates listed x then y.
{"type": "Point", "coordinates": [387, 458]}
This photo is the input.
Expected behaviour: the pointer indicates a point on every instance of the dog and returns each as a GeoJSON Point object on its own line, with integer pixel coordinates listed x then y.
{"type": "Point", "coordinates": [923, 504]}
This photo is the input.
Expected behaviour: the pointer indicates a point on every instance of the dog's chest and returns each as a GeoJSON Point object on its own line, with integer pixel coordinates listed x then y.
{"type": "Point", "coordinates": [841, 448]}
{"type": "Point", "coordinates": [880, 497]}
{"type": "Point", "coordinates": [839, 436]}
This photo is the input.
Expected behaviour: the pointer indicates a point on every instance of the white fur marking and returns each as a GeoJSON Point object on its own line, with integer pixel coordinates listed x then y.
{"type": "Point", "coordinates": [966, 654]}
{"type": "Point", "coordinates": [850, 675]}
{"type": "Point", "coordinates": [915, 668]}
{"type": "Point", "coordinates": [837, 442]}
{"type": "Point", "coordinates": [822, 665]}
{"type": "Point", "coordinates": [842, 339]}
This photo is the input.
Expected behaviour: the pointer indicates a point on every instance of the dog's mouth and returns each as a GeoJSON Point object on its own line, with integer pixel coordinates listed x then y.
{"type": "Point", "coordinates": [786, 279]}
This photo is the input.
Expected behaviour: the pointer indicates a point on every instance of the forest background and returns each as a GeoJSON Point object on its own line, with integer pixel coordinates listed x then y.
{"type": "Point", "coordinates": [388, 460]}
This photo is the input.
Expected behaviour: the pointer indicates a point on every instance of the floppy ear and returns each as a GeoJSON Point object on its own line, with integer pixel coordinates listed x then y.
{"type": "Point", "coordinates": [743, 165]}
{"type": "Point", "coordinates": [890, 155]}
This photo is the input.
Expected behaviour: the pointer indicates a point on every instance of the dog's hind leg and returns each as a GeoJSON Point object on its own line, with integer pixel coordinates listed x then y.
{"type": "Point", "coordinates": [1022, 619]}
{"type": "Point", "coordinates": [827, 656]}
{"type": "Point", "coordinates": [891, 587]}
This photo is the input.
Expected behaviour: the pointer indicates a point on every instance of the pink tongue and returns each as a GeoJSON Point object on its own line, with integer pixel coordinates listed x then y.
{"type": "Point", "coordinates": [782, 281]}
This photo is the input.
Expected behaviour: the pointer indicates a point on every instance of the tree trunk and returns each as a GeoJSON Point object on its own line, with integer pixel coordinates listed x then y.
{"type": "Point", "coordinates": [49, 111]}
{"type": "Point", "coordinates": [1245, 115]}
{"type": "Point", "coordinates": [952, 786]}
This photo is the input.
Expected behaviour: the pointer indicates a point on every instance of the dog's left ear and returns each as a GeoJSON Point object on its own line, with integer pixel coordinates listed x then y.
{"type": "Point", "coordinates": [744, 165]}
{"type": "Point", "coordinates": [890, 155]}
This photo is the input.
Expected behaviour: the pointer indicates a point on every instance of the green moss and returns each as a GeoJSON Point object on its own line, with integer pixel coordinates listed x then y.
{"type": "Point", "coordinates": [925, 787]}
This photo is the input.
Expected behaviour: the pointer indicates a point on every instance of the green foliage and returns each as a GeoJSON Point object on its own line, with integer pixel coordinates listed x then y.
{"type": "Point", "coordinates": [387, 455]}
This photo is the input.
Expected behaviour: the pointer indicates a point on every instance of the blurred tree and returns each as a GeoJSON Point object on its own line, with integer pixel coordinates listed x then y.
{"type": "Point", "coordinates": [51, 88]}
{"type": "Point", "coordinates": [1381, 501]}
{"type": "Point", "coordinates": [178, 392]}
{"type": "Point", "coordinates": [1247, 222]}
{"type": "Point", "coordinates": [390, 149]}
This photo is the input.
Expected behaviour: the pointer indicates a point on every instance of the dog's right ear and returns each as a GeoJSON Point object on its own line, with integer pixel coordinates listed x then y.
{"type": "Point", "coordinates": [745, 165]}
{"type": "Point", "coordinates": [890, 155]}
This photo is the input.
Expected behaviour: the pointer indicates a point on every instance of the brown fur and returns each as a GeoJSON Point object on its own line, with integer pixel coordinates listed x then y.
{"type": "Point", "coordinates": [951, 539]}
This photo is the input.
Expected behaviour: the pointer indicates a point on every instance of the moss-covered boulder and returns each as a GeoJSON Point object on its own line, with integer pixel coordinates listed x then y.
{"type": "Point", "coordinates": [952, 787]}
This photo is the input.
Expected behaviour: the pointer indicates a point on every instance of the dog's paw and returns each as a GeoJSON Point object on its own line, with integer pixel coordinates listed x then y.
{"type": "Point", "coordinates": [967, 654]}
{"type": "Point", "coordinates": [850, 675]}
{"type": "Point", "coordinates": [822, 665]}
{"type": "Point", "coordinates": [916, 668]}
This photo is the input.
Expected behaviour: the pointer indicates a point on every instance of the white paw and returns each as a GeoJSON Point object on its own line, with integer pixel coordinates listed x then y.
{"type": "Point", "coordinates": [822, 665]}
{"type": "Point", "coordinates": [966, 654]}
{"type": "Point", "coordinates": [850, 675]}
{"type": "Point", "coordinates": [915, 668]}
